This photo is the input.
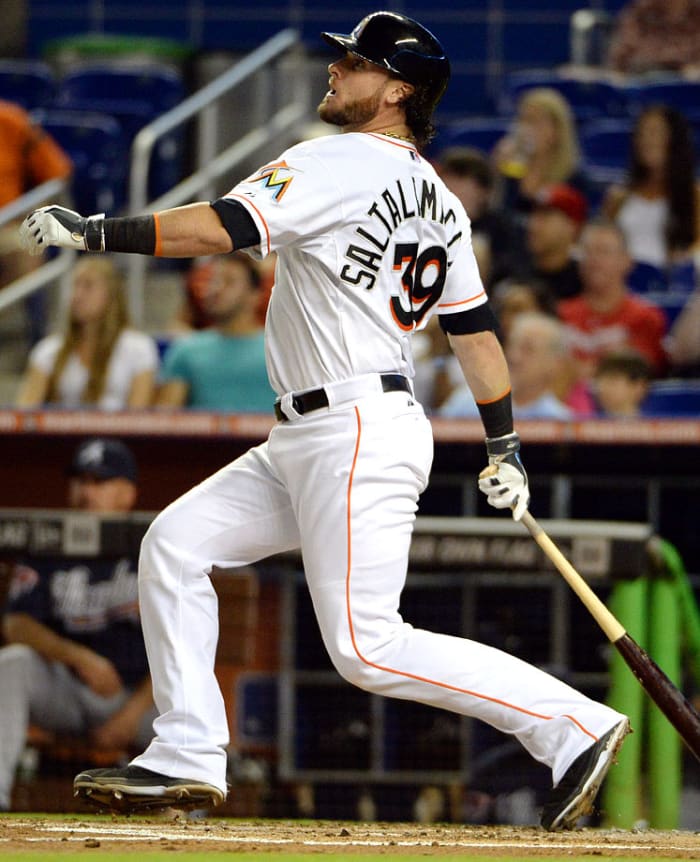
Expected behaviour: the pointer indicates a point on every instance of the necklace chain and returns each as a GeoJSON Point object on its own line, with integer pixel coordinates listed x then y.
{"type": "Point", "coordinates": [410, 138]}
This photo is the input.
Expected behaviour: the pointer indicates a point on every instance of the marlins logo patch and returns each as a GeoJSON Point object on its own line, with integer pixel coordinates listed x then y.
{"type": "Point", "coordinates": [275, 177]}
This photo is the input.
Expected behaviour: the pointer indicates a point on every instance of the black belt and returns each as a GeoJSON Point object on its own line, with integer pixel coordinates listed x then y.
{"type": "Point", "coordinates": [317, 398]}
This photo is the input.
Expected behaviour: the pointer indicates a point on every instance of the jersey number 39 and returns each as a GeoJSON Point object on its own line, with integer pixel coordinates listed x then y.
{"type": "Point", "coordinates": [422, 279]}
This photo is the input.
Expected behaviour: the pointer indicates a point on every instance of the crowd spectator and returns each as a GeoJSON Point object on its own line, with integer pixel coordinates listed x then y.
{"type": "Point", "coordinates": [469, 174]}
{"type": "Point", "coordinates": [542, 150]}
{"type": "Point", "coordinates": [656, 36]}
{"type": "Point", "coordinates": [607, 316]}
{"type": "Point", "coordinates": [683, 343]}
{"type": "Point", "coordinates": [29, 156]}
{"type": "Point", "coordinates": [514, 296]}
{"type": "Point", "coordinates": [658, 208]}
{"type": "Point", "coordinates": [222, 367]}
{"type": "Point", "coordinates": [437, 369]}
{"type": "Point", "coordinates": [552, 231]}
{"type": "Point", "coordinates": [621, 383]}
{"type": "Point", "coordinates": [74, 661]}
{"type": "Point", "coordinates": [193, 314]}
{"type": "Point", "coordinates": [98, 360]}
{"type": "Point", "coordinates": [535, 349]}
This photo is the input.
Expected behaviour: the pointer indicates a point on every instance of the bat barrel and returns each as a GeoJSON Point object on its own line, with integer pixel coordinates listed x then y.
{"type": "Point", "coordinates": [680, 713]}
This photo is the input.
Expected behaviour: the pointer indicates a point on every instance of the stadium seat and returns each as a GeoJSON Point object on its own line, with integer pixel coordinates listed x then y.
{"type": "Point", "coordinates": [159, 87]}
{"type": "Point", "coordinates": [605, 147]}
{"type": "Point", "coordinates": [683, 277]}
{"type": "Point", "coordinates": [588, 98]}
{"type": "Point", "coordinates": [671, 303]}
{"type": "Point", "coordinates": [482, 133]}
{"type": "Point", "coordinates": [97, 145]}
{"type": "Point", "coordinates": [134, 95]}
{"type": "Point", "coordinates": [29, 83]}
{"type": "Point", "coordinates": [646, 278]}
{"type": "Point", "coordinates": [673, 398]}
{"type": "Point", "coordinates": [676, 92]}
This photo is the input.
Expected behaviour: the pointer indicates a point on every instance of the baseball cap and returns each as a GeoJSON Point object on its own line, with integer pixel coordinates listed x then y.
{"type": "Point", "coordinates": [103, 458]}
{"type": "Point", "coordinates": [565, 199]}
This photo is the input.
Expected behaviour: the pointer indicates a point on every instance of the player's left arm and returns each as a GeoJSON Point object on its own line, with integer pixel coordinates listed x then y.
{"type": "Point", "coordinates": [188, 231]}
{"type": "Point", "coordinates": [485, 369]}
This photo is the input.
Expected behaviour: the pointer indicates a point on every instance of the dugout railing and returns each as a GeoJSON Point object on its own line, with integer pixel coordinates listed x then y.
{"type": "Point", "coordinates": [476, 577]}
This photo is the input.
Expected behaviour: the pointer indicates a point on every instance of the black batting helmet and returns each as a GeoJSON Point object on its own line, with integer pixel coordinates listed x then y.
{"type": "Point", "coordinates": [401, 46]}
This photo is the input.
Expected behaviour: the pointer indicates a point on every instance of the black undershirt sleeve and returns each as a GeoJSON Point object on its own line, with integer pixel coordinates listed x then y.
{"type": "Point", "coordinates": [237, 222]}
{"type": "Point", "coordinates": [479, 319]}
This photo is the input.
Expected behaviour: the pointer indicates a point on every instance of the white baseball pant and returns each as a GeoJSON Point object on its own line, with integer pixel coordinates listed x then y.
{"type": "Point", "coordinates": [342, 483]}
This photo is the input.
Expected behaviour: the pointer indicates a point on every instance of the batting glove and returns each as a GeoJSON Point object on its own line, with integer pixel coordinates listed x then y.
{"type": "Point", "coordinates": [506, 486]}
{"type": "Point", "coordinates": [54, 225]}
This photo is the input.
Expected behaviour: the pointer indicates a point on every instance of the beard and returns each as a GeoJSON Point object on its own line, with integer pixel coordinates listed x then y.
{"type": "Point", "coordinates": [355, 113]}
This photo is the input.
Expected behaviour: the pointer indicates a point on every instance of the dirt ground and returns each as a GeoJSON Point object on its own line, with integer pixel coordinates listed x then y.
{"type": "Point", "coordinates": [120, 833]}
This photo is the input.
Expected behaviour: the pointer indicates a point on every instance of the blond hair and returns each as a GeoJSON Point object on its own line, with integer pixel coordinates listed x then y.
{"type": "Point", "coordinates": [566, 154]}
{"type": "Point", "coordinates": [114, 320]}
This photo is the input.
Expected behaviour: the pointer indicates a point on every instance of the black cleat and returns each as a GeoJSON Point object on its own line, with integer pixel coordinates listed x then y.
{"type": "Point", "coordinates": [573, 796]}
{"type": "Point", "coordinates": [131, 789]}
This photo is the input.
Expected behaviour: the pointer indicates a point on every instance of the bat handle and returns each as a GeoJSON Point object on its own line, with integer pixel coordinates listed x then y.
{"type": "Point", "coordinates": [610, 625]}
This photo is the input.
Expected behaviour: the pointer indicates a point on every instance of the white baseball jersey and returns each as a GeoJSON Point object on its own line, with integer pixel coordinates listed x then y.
{"type": "Point", "coordinates": [365, 257]}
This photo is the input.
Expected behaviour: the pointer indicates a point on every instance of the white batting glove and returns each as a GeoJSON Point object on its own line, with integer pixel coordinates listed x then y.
{"type": "Point", "coordinates": [54, 225]}
{"type": "Point", "coordinates": [504, 481]}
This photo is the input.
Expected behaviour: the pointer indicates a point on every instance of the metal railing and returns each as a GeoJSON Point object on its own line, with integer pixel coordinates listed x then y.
{"type": "Point", "coordinates": [203, 105]}
{"type": "Point", "coordinates": [22, 287]}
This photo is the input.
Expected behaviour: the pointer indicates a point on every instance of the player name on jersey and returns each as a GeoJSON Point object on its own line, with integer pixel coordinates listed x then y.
{"type": "Point", "coordinates": [396, 204]}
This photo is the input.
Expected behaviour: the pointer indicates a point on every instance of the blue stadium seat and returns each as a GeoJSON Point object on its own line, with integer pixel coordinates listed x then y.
{"type": "Point", "coordinates": [676, 92]}
{"type": "Point", "coordinates": [97, 145]}
{"type": "Point", "coordinates": [134, 96]}
{"type": "Point", "coordinates": [671, 303]}
{"type": "Point", "coordinates": [29, 83]}
{"type": "Point", "coordinates": [646, 278]}
{"type": "Point", "coordinates": [605, 147]}
{"type": "Point", "coordinates": [482, 133]}
{"type": "Point", "coordinates": [160, 87]}
{"type": "Point", "coordinates": [588, 99]}
{"type": "Point", "coordinates": [683, 277]}
{"type": "Point", "coordinates": [673, 398]}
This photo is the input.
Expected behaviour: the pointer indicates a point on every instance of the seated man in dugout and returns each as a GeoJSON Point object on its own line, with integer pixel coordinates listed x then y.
{"type": "Point", "coordinates": [74, 663]}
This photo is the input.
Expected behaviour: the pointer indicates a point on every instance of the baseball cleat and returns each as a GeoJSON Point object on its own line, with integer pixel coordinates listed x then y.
{"type": "Point", "coordinates": [573, 796]}
{"type": "Point", "coordinates": [131, 788]}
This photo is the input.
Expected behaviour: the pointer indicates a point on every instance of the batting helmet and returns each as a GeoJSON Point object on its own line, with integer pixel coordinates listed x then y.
{"type": "Point", "coordinates": [401, 46]}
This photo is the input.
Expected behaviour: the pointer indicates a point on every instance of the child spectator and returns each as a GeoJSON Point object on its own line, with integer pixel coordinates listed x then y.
{"type": "Point", "coordinates": [621, 384]}
{"type": "Point", "coordinates": [98, 360]}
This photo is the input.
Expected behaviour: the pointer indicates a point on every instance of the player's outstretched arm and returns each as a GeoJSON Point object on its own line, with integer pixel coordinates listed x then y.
{"type": "Point", "coordinates": [189, 231]}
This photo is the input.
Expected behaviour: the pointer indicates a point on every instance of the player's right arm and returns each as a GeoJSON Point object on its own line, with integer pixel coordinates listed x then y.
{"type": "Point", "coordinates": [188, 231]}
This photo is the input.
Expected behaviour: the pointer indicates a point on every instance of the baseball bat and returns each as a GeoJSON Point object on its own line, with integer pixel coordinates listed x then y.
{"type": "Point", "coordinates": [669, 699]}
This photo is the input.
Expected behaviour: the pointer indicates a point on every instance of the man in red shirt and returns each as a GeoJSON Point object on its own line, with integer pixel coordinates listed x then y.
{"type": "Point", "coordinates": [607, 316]}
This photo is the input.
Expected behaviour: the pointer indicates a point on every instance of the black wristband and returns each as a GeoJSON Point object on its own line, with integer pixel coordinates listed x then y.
{"type": "Point", "coordinates": [497, 416]}
{"type": "Point", "coordinates": [136, 234]}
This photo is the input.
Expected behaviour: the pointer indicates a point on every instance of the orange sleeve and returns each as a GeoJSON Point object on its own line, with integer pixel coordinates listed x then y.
{"type": "Point", "coordinates": [45, 158]}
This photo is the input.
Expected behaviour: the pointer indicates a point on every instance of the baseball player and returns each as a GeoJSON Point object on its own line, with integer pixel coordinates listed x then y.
{"type": "Point", "coordinates": [370, 244]}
